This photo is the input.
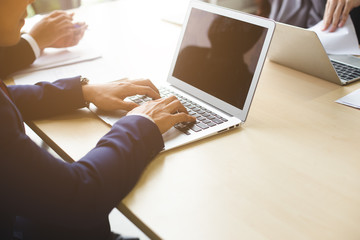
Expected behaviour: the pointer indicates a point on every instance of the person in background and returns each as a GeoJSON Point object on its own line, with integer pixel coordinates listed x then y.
{"type": "Point", "coordinates": [307, 13]}
{"type": "Point", "coordinates": [43, 197]}
{"type": "Point", "coordinates": [56, 30]}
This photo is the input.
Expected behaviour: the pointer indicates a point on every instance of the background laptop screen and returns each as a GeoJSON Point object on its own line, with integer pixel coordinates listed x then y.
{"type": "Point", "coordinates": [218, 55]}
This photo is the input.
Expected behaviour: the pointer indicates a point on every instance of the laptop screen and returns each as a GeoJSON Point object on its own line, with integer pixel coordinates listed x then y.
{"type": "Point", "coordinates": [219, 55]}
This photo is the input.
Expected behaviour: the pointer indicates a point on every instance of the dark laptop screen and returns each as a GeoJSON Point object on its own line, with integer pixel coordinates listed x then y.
{"type": "Point", "coordinates": [218, 55]}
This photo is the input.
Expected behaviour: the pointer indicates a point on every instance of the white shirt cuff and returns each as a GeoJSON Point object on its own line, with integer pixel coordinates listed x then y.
{"type": "Point", "coordinates": [33, 44]}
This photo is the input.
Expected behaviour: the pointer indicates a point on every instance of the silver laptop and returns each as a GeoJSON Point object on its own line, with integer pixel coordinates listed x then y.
{"type": "Point", "coordinates": [301, 49]}
{"type": "Point", "coordinates": [215, 70]}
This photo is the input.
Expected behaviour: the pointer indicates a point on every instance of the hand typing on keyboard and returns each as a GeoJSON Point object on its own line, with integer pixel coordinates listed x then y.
{"type": "Point", "coordinates": [165, 112]}
{"type": "Point", "coordinates": [204, 118]}
{"type": "Point", "coordinates": [110, 96]}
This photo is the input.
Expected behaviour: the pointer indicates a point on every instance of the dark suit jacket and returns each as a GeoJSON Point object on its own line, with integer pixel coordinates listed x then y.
{"type": "Point", "coordinates": [47, 198]}
{"type": "Point", "coordinates": [15, 58]}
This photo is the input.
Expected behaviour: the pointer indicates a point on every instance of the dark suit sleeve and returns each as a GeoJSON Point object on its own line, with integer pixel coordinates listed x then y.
{"type": "Point", "coordinates": [355, 17]}
{"type": "Point", "coordinates": [15, 58]}
{"type": "Point", "coordinates": [37, 186]}
{"type": "Point", "coordinates": [46, 99]}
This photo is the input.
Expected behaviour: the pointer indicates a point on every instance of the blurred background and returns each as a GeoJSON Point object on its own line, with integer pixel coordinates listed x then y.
{"type": "Point", "coordinates": [46, 6]}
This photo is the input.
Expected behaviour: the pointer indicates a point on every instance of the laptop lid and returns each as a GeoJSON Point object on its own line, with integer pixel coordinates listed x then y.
{"type": "Point", "coordinates": [301, 49]}
{"type": "Point", "coordinates": [220, 55]}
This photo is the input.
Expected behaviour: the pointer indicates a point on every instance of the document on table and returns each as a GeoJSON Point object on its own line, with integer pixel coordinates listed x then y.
{"type": "Point", "coordinates": [52, 57]}
{"type": "Point", "coordinates": [352, 99]}
{"type": "Point", "coordinates": [342, 42]}
{"type": "Point", "coordinates": [99, 70]}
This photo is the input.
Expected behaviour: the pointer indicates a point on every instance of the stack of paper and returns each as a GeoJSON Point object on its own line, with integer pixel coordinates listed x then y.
{"type": "Point", "coordinates": [352, 99]}
{"type": "Point", "coordinates": [342, 42]}
{"type": "Point", "coordinates": [52, 57]}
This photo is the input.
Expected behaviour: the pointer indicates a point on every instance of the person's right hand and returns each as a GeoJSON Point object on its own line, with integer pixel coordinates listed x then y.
{"type": "Point", "coordinates": [165, 112]}
{"type": "Point", "coordinates": [57, 30]}
{"type": "Point", "coordinates": [337, 12]}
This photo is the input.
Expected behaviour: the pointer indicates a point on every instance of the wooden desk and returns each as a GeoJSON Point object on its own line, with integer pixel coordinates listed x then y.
{"type": "Point", "coordinates": [291, 172]}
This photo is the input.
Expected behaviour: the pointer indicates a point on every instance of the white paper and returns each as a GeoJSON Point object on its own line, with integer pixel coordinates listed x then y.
{"type": "Point", "coordinates": [352, 99]}
{"type": "Point", "coordinates": [99, 70]}
{"type": "Point", "coordinates": [52, 58]}
{"type": "Point", "coordinates": [341, 42]}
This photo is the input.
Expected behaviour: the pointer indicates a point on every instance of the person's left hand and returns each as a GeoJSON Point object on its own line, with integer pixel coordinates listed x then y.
{"type": "Point", "coordinates": [110, 96]}
{"type": "Point", "coordinates": [337, 12]}
{"type": "Point", "coordinates": [57, 30]}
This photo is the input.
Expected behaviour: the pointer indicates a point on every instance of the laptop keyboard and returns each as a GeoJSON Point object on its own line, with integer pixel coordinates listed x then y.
{"type": "Point", "coordinates": [204, 117]}
{"type": "Point", "coordinates": [346, 72]}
